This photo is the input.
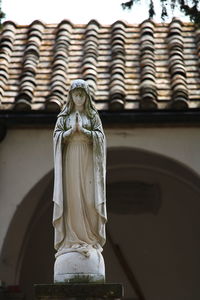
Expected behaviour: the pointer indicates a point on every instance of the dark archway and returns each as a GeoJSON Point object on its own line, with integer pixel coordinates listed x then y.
{"type": "Point", "coordinates": [18, 235]}
{"type": "Point", "coordinates": [154, 211]}
{"type": "Point", "coordinates": [153, 205]}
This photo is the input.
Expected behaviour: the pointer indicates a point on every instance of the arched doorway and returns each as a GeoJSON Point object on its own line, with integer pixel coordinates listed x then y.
{"type": "Point", "coordinates": [153, 206]}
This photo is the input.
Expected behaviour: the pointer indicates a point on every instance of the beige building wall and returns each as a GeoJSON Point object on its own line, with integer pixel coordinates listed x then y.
{"type": "Point", "coordinates": [26, 164]}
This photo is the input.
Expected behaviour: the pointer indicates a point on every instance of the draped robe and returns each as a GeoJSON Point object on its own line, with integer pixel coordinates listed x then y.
{"type": "Point", "coordinates": [61, 198]}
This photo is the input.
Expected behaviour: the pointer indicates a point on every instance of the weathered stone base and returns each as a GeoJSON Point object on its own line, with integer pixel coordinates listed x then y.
{"type": "Point", "coordinates": [80, 291]}
{"type": "Point", "coordinates": [79, 278]}
{"type": "Point", "coordinates": [76, 267]}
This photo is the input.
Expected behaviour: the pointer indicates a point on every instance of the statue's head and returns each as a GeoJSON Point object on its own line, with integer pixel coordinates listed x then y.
{"type": "Point", "coordinates": [79, 91]}
{"type": "Point", "coordinates": [80, 84]}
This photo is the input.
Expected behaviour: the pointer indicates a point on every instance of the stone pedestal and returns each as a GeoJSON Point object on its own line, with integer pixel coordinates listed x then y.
{"type": "Point", "coordinates": [74, 267]}
{"type": "Point", "coordinates": [79, 291]}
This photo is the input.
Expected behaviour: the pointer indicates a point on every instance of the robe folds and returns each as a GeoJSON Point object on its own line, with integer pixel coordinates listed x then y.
{"type": "Point", "coordinates": [61, 198]}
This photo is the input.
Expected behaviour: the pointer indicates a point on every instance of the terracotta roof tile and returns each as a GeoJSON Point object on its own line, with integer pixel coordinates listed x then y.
{"type": "Point", "coordinates": [145, 66]}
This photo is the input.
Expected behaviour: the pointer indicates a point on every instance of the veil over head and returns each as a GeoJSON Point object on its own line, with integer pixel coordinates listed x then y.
{"type": "Point", "coordinates": [90, 109]}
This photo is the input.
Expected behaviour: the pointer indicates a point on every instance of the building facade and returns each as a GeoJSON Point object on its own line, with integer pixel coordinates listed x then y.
{"type": "Point", "coordinates": [145, 83]}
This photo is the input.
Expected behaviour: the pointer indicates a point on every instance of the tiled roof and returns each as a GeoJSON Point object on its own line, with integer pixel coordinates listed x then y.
{"type": "Point", "coordinates": [146, 66]}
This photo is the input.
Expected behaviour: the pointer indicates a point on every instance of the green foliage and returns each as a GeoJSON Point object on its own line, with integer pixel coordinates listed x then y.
{"type": "Point", "coordinates": [2, 15]}
{"type": "Point", "coordinates": [189, 8]}
{"type": "Point", "coordinates": [151, 9]}
{"type": "Point", "coordinates": [192, 11]}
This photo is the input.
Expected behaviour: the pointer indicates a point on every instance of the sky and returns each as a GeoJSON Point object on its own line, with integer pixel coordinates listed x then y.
{"type": "Point", "coordinates": [77, 11]}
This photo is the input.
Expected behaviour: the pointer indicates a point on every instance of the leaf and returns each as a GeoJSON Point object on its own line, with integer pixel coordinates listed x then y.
{"type": "Point", "coordinates": [151, 9]}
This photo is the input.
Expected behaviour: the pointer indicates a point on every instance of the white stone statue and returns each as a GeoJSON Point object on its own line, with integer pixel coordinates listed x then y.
{"type": "Point", "coordinates": [79, 215]}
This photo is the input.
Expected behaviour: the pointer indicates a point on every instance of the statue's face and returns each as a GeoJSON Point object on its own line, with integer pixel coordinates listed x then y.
{"type": "Point", "coordinates": [79, 96]}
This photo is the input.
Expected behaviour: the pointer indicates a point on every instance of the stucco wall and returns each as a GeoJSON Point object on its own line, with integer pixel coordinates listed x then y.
{"type": "Point", "coordinates": [26, 156]}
